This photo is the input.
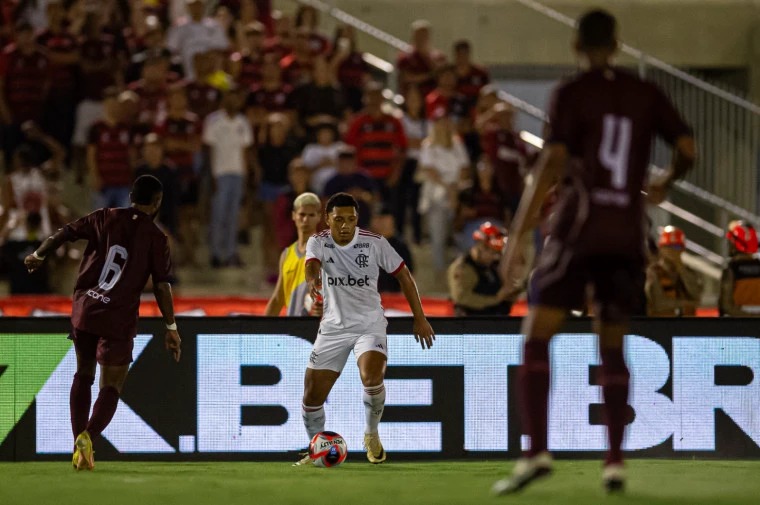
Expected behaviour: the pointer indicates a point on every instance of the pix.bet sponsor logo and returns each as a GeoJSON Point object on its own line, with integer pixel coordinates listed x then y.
{"type": "Point", "coordinates": [349, 281]}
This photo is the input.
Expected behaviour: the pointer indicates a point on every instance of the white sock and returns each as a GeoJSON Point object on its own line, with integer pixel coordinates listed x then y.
{"type": "Point", "coordinates": [374, 404]}
{"type": "Point", "coordinates": [313, 419]}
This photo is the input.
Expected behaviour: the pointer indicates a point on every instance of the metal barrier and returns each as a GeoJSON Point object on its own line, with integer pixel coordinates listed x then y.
{"type": "Point", "coordinates": [744, 188]}
{"type": "Point", "coordinates": [726, 125]}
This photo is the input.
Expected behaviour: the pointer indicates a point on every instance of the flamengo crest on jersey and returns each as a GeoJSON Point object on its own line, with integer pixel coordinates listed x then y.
{"type": "Point", "coordinates": [349, 280]}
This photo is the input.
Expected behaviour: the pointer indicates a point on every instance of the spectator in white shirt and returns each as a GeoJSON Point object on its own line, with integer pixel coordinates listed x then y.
{"type": "Point", "coordinates": [196, 34]}
{"type": "Point", "coordinates": [228, 135]}
{"type": "Point", "coordinates": [321, 157]}
{"type": "Point", "coordinates": [443, 165]}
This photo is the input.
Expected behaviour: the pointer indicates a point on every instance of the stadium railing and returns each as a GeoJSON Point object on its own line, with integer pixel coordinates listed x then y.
{"type": "Point", "coordinates": [711, 247]}
{"type": "Point", "coordinates": [726, 124]}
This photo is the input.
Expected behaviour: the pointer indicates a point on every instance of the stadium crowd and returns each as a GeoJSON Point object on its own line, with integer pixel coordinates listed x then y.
{"type": "Point", "coordinates": [238, 109]}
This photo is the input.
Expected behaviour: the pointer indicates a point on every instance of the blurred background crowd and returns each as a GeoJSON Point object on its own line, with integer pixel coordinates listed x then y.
{"type": "Point", "coordinates": [238, 108]}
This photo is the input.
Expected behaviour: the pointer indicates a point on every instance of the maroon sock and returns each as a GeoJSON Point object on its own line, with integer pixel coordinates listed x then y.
{"type": "Point", "coordinates": [79, 402]}
{"type": "Point", "coordinates": [615, 379]}
{"type": "Point", "coordinates": [534, 393]}
{"type": "Point", "coordinates": [103, 411]}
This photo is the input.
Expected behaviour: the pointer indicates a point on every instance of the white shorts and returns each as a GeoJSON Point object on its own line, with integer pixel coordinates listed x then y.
{"type": "Point", "coordinates": [331, 353]}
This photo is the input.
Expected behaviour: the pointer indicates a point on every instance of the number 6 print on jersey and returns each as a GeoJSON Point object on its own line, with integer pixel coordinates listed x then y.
{"type": "Point", "coordinates": [111, 267]}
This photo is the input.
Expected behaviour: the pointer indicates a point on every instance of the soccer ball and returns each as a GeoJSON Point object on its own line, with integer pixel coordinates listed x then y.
{"type": "Point", "coordinates": [327, 449]}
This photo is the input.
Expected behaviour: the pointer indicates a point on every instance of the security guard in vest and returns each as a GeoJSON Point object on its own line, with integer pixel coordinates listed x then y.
{"type": "Point", "coordinates": [672, 288]}
{"type": "Point", "coordinates": [740, 283]}
{"type": "Point", "coordinates": [474, 282]}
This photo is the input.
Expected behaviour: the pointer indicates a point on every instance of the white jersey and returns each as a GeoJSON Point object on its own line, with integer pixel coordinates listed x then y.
{"type": "Point", "coordinates": [349, 281]}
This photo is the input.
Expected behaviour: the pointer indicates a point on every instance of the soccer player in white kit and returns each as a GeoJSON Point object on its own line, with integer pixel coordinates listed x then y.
{"type": "Point", "coordinates": [345, 261]}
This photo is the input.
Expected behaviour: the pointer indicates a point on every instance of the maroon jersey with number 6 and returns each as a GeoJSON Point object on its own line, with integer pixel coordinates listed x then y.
{"type": "Point", "coordinates": [125, 248]}
{"type": "Point", "coordinates": [607, 119]}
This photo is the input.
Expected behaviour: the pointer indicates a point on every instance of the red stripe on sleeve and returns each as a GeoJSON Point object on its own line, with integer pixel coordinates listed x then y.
{"type": "Point", "coordinates": [402, 265]}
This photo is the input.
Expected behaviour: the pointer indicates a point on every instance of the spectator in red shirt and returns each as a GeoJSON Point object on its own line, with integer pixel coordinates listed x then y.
{"type": "Point", "coordinates": [110, 155]}
{"type": "Point", "coordinates": [181, 134]}
{"type": "Point", "coordinates": [24, 85]}
{"type": "Point", "coordinates": [478, 204]}
{"type": "Point", "coordinates": [155, 163]}
{"type": "Point", "coordinates": [297, 66]}
{"type": "Point", "coordinates": [379, 140]}
{"type": "Point", "coordinates": [349, 67]}
{"type": "Point", "coordinates": [101, 63]}
{"type": "Point", "coordinates": [483, 113]}
{"type": "Point", "coordinates": [470, 77]}
{"type": "Point", "coordinates": [284, 227]}
{"type": "Point", "coordinates": [308, 17]}
{"type": "Point", "coordinates": [245, 65]}
{"type": "Point", "coordinates": [418, 67]}
{"type": "Point", "coordinates": [7, 17]}
{"type": "Point", "coordinates": [271, 95]}
{"type": "Point", "coordinates": [283, 40]}
{"type": "Point", "coordinates": [320, 101]}
{"type": "Point", "coordinates": [277, 149]}
{"type": "Point", "coordinates": [152, 89]}
{"type": "Point", "coordinates": [508, 155]}
{"type": "Point", "coordinates": [152, 41]}
{"type": "Point", "coordinates": [63, 51]}
{"type": "Point", "coordinates": [444, 99]}
{"type": "Point", "coordinates": [203, 98]}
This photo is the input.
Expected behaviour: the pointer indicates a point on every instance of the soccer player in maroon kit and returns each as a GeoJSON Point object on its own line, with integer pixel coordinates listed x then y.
{"type": "Point", "coordinates": [601, 127]}
{"type": "Point", "coordinates": [125, 248]}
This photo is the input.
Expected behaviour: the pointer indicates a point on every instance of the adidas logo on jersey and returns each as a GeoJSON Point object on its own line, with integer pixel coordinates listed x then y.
{"type": "Point", "coordinates": [329, 260]}
{"type": "Point", "coordinates": [349, 281]}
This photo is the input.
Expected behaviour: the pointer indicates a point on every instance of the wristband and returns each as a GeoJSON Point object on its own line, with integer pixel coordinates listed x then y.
{"type": "Point", "coordinates": [172, 327]}
{"type": "Point", "coordinates": [37, 256]}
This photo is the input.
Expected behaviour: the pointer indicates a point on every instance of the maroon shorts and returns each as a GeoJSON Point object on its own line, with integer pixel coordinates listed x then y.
{"type": "Point", "coordinates": [107, 351]}
{"type": "Point", "coordinates": [562, 280]}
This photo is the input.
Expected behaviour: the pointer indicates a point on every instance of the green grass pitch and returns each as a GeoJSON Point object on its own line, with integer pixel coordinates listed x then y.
{"type": "Point", "coordinates": [652, 482]}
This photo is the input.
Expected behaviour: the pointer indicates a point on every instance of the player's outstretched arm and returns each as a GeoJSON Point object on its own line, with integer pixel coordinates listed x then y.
{"type": "Point", "coordinates": [37, 258]}
{"type": "Point", "coordinates": [423, 332]}
{"type": "Point", "coordinates": [172, 341]}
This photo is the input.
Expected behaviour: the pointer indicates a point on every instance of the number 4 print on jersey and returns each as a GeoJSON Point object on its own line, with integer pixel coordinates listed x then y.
{"type": "Point", "coordinates": [615, 148]}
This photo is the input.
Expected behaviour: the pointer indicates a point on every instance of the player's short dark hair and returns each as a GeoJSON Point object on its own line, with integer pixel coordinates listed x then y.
{"type": "Point", "coordinates": [341, 200]}
{"type": "Point", "coordinates": [597, 30]}
{"type": "Point", "coordinates": [145, 189]}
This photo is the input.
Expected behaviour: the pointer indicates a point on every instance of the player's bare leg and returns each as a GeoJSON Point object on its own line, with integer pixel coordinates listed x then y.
{"type": "Point", "coordinates": [111, 381]}
{"type": "Point", "coordinates": [80, 398]}
{"type": "Point", "coordinates": [317, 385]}
{"type": "Point", "coordinates": [615, 379]}
{"type": "Point", "coordinates": [539, 326]}
{"type": "Point", "coordinates": [372, 366]}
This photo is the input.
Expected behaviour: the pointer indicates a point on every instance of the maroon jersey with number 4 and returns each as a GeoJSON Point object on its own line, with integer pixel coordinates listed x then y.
{"type": "Point", "coordinates": [124, 248]}
{"type": "Point", "coordinates": [607, 118]}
